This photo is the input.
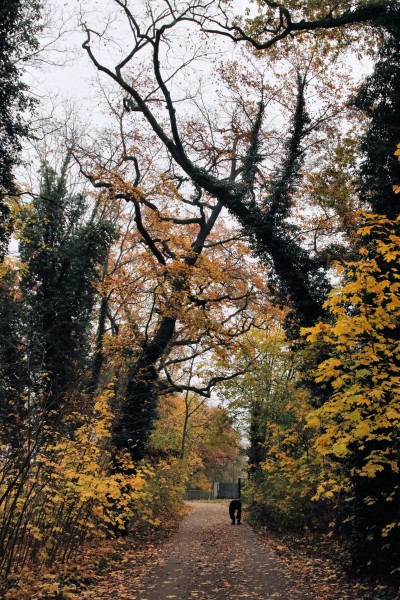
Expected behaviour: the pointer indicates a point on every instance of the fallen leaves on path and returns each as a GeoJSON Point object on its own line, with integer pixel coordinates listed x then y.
{"type": "Point", "coordinates": [206, 559]}
{"type": "Point", "coordinates": [324, 575]}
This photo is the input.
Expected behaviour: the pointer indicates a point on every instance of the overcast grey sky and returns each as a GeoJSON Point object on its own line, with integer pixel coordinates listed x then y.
{"type": "Point", "coordinates": [74, 79]}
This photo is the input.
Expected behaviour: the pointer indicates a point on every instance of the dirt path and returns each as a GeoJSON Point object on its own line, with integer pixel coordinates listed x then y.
{"type": "Point", "coordinates": [210, 559]}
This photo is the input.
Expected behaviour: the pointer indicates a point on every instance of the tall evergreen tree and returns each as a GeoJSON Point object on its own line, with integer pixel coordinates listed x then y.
{"type": "Point", "coordinates": [19, 25]}
{"type": "Point", "coordinates": [379, 98]}
{"type": "Point", "coordinates": [61, 245]}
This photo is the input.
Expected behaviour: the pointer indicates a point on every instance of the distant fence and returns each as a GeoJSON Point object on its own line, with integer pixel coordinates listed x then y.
{"type": "Point", "coordinates": [226, 489]}
{"type": "Point", "coordinates": [198, 495]}
{"type": "Point", "coordinates": [221, 489]}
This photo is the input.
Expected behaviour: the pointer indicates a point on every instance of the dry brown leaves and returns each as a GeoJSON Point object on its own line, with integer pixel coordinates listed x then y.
{"type": "Point", "coordinates": [323, 575]}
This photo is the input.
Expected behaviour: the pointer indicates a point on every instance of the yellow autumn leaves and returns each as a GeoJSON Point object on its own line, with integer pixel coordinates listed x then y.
{"type": "Point", "coordinates": [396, 188]}
{"type": "Point", "coordinates": [363, 370]}
{"type": "Point", "coordinates": [63, 491]}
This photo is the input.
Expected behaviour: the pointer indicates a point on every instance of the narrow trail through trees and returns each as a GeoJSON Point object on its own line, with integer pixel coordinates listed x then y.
{"type": "Point", "coordinates": [209, 559]}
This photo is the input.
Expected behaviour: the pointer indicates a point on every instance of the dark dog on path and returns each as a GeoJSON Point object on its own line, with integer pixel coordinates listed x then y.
{"type": "Point", "coordinates": [235, 511]}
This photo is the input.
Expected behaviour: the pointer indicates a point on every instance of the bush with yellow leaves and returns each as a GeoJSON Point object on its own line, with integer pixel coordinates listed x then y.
{"type": "Point", "coordinates": [60, 489]}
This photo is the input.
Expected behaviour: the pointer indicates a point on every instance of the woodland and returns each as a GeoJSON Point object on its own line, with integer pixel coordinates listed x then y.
{"type": "Point", "coordinates": [199, 275]}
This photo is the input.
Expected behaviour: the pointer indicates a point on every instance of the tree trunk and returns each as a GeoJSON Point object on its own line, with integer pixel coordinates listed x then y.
{"type": "Point", "coordinates": [133, 426]}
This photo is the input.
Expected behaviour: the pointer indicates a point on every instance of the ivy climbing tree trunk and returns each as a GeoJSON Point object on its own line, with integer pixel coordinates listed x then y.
{"type": "Point", "coordinates": [257, 430]}
{"type": "Point", "coordinates": [134, 424]}
{"type": "Point", "coordinates": [98, 359]}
